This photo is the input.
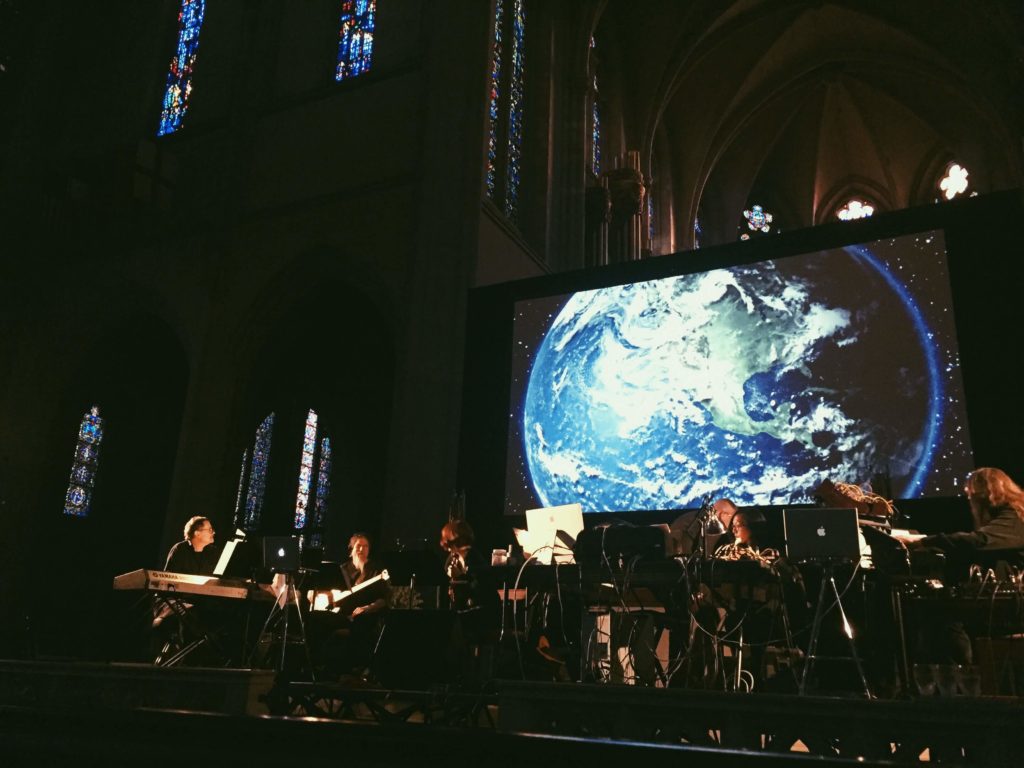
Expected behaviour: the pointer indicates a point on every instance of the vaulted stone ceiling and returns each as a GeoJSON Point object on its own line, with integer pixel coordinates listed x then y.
{"type": "Point", "coordinates": [801, 105]}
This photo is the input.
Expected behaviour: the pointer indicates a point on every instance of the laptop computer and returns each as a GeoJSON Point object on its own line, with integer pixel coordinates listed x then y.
{"type": "Point", "coordinates": [553, 532]}
{"type": "Point", "coordinates": [821, 534]}
{"type": "Point", "coordinates": [281, 554]}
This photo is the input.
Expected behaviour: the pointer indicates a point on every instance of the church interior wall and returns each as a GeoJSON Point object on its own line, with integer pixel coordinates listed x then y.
{"type": "Point", "coordinates": [345, 220]}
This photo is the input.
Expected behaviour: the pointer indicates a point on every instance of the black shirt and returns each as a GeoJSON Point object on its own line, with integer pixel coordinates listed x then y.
{"type": "Point", "coordinates": [183, 559]}
{"type": "Point", "coordinates": [1001, 538]}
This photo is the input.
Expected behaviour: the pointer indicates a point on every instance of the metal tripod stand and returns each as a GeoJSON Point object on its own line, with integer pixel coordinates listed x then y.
{"type": "Point", "coordinates": [828, 579]}
{"type": "Point", "coordinates": [277, 624]}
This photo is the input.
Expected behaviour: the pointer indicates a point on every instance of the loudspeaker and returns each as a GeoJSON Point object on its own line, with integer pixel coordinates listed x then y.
{"type": "Point", "coordinates": [417, 649]}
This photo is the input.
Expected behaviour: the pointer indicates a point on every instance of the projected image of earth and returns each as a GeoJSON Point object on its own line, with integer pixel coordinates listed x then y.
{"type": "Point", "coordinates": [757, 382]}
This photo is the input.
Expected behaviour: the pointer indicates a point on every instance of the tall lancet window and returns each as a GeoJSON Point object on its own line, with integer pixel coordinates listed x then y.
{"type": "Point", "coordinates": [355, 38]}
{"type": "Point", "coordinates": [315, 524]}
{"type": "Point", "coordinates": [595, 117]}
{"type": "Point", "coordinates": [78, 499]}
{"type": "Point", "coordinates": [179, 77]}
{"type": "Point", "coordinates": [505, 110]}
{"type": "Point", "coordinates": [305, 470]}
{"type": "Point", "coordinates": [649, 198]}
{"type": "Point", "coordinates": [249, 507]}
{"type": "Point", "coordinates": [239, 518]}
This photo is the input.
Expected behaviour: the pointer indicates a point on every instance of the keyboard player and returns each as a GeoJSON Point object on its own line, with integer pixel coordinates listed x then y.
{"type": "Point", "coordinates": [196, 554]}
{"type": "Point", "coordinates": [997, 511]}
{"type": "Point", "coordinates": [996, 541]}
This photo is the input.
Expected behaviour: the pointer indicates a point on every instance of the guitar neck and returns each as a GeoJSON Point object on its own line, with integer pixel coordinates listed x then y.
{"type": "Point", "coordinates": [364, 584]}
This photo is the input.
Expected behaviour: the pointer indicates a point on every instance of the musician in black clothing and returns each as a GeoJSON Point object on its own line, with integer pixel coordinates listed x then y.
{"type": "Point", "coordinates": [996, 541]}
{"type": "Point", "coordinates": [997, 511]}
{"type": "Point", "coordinates": [357, 570]}
{"type": "Point", "coordinates": [346, 627]}
{"type": "Point", "coordinates": [197, 553]}
{"type": "Point", "coordinates": [686, 528]}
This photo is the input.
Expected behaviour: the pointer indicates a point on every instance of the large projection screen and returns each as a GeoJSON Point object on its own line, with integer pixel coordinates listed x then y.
{"type": "Point", "coordinates": [756, 381]}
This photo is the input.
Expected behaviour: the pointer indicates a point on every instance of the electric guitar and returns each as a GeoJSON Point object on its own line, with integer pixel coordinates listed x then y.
{"type": "Point", "coordinates": [331, 600]}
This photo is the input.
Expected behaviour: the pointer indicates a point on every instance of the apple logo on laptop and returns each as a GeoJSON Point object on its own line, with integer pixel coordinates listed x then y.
{"type": "Point", "coordinates": [821, 530]}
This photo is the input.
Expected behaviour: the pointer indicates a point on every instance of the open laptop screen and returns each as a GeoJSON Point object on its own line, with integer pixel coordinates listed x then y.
{"type": "Point", "coordinates": [281, 554]}
{"type": "Point", "coordinates": [821, 534]}
{"type": "Point", "coordinates": [553, 531]}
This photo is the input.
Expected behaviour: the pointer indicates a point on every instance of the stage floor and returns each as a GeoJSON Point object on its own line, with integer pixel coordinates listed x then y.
{"type": "Point", "coordinates": [46, 706]}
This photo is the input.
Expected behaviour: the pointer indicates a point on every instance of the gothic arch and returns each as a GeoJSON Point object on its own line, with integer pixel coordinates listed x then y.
{"type": "Point", "coordinates": [315, 339]}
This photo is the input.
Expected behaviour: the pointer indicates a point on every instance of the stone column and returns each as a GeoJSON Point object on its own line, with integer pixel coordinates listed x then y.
{"type": "Point", "coordinates": [626, 185]}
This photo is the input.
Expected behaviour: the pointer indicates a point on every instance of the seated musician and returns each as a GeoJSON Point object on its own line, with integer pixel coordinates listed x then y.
{"type": "Point", "coordinates": [997, 511]}
{"type": "Point", "coordinates": [685, 529]}
{"type": "Point", "coordinates": [346, 623]}
{"type": "Point", "coordinates": [997, 540]}
{"type": "Point", "coordinates": [355, 570]}
{"type": "Point", "coordinates": [735, 603]}
{"type": "Point", "coordinates": [743, 544]}
{"type": "Point", "coordinates": [470, 591]}
{"type": "Point", "coordinates": [196, 554]}
{"type": "Point", "coordinates": [462, 564]}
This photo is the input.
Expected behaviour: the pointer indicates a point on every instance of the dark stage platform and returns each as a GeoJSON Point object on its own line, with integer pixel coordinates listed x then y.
{"type": "Point", "coordinates": [111, 714]}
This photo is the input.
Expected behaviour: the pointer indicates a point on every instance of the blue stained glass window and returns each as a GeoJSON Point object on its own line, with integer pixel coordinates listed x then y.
{"type": "Point", "coordinates": [78, 499]}
{"type": "Point", "coordinates": [305, 470]}
{"type": "Point", "coordinates": [595, 120]}
{"type": "Point", "coordinates": [506, 106]}
{"type": "Point", "coordinates": [258, 474]}
{"type": "Point", "coordinates": [239, 518]}
{"type": "Point", "coordinates": [758, 219]}
{"type": "Point", "coordinates": [179, 77]}
{"type": "Point", "coordinates": [515, 116]}
{"type": "Point", "coordinates": [323, 490]}
{"type": "Point", "coordinates": [495, 103]}
{"type": "Point", "coordinates": [355, 43]}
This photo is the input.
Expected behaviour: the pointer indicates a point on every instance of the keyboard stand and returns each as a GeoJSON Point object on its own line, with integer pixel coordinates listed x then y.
{"type": "Point", "coordinates": [189, 625]}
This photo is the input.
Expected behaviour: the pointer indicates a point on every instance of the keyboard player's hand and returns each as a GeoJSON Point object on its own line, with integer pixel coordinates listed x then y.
{"type": "Point", "coordinates": [906, 537]}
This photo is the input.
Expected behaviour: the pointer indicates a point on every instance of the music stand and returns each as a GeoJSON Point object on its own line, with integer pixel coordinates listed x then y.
{"type": "Point", "coordinates": [420, 569]}
{"type": "Point", "coordinates": [281, 557]}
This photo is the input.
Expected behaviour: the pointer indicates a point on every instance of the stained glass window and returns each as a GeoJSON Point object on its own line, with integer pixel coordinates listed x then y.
{"type": "Point", "coordinates": [179, 78]}
{"type": "Point", "coordinates": [305, 470]}
{"type": "Point", "coordinates": [355, 38]}
{"type": "Point", "coordinates": [323, 491]}
{"type": "Point", "coordinates": [954, 182]}
{"type": "Point", "coordinates": [595, 135]}
{"type": "Point", "coordinates": [506, 106]}
{"type": "Point", "coordinates": [493, 107]}
{"type": "Point", "coordinates": [855, 209]}
{"type": "Point", "coordinates": [78, 499]}
{"type": "Point", "coordinates": [758, 219]}
{"type": "Point", "coordinates": [515, 116]}
{"type": "Point", "coordinates": [595, 117]}
{"type": "Point", "coordinates": [258, 474]}
{"type": "Point", "coordinates": [239, 518]}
